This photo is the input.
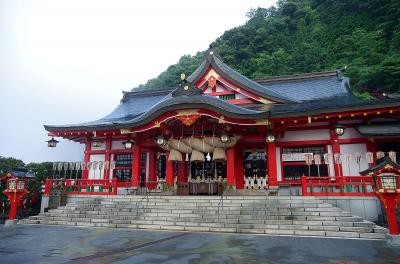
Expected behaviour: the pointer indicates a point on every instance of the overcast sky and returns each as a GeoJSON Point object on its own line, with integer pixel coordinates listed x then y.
{"type": "Point", "coordinates": [65, 62]}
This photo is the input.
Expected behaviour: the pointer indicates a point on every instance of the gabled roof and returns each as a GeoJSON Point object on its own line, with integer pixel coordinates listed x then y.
{"type": "Point", "coordinates": [309, 86]}
{"type": "Point", "coordinates": [385, 161]}
{"type": "Point", "coordinates": [211, 59]}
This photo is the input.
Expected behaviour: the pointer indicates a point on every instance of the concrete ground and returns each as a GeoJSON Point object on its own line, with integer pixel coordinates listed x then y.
{"type": "Point", "coordinates": [62, 244]}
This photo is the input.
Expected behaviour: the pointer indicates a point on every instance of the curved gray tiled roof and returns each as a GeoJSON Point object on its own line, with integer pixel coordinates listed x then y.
{"type": "Point", "coordinates": [138, 110]}
{"type": "Point", "coordinates": [310, 89]}
{"type": "Point", "coordinates": [297, 95]}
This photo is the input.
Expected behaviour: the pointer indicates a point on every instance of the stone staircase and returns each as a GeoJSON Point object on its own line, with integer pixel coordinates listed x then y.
{"type": "Point", "coordinates": [278, 215]}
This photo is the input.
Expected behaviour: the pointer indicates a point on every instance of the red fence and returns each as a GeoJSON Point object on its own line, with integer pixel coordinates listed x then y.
{"type": "Point", "coordinates": [82, 186]}
{"type": "Point", "coordinates": [337, 186]}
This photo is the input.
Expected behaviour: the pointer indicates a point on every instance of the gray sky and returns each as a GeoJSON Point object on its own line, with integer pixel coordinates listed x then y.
{"type": "Point", "coordinates": [68, 61]}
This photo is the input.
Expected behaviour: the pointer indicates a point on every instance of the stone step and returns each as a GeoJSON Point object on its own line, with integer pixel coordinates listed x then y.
{"type": "Point", "coordinates": [302, 216]}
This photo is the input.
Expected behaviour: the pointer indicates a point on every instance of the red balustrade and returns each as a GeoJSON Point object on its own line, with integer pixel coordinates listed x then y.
{"type": "Point", "coordinates": [82, 186]}
{"type": "Point", "coordinates": [337, 186]}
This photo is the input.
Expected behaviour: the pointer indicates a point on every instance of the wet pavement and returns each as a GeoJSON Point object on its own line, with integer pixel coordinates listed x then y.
{"type": "Point", "coordinates": [63, 244]}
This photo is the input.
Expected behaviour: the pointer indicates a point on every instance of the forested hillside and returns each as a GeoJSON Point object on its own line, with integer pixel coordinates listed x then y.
{"type": "Point", "coordinates": [299, 36]}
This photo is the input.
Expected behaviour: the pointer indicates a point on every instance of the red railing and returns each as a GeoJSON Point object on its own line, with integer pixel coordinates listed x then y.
{"type": "Point", "coordinates": [337, 186]}
{"type": "Point", "coordinates": [82, 186]}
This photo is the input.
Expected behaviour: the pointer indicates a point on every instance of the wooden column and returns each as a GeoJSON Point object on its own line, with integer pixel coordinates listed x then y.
{"type": "Point", "coordinates": [230, 166]}
{"type": "Point", "coordinates": [239, 167]}
{"type": "Point", "coordinates": [136, 165]}
{"type": "Point", "coordinates": [107, 157]}
{"type": "Point", "coordinates": [88, 146]}
{"type": "Point", "coordinates": [272, 170]}
{"type": "Point", "coordinates": [152, 170]}
{"type": "Point", "coordinates": [335, 149]}
{"type": "Point", "coordinates": [169, 171]}
{"type": "Point", "coordinates": [182, 171]}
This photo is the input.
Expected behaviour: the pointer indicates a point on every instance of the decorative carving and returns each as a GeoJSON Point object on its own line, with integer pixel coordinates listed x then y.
{"type": "Point", "coordinates": [188, 120]}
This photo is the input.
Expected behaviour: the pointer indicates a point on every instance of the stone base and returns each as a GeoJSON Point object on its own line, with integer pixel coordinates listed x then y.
{"type": "Point", "coordinates": [10, 223]}
{"type": "Point", "coordinates": [393, 240]}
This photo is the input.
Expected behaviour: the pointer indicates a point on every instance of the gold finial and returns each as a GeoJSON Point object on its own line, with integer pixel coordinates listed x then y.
{"type": "Point", "coordinates": [183, 76]}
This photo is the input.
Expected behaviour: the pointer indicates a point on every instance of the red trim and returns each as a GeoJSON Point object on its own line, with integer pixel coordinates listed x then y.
{"type": "Point", "coordinates": [230, 166]}
{"type": "Point", "coordinates": [88, 146]}
{"type": "Point", "coordinates": [272, 168]}
{"type": "Point", "coordinates": [107, 158]}
{"type": "Point", "coordinates": [136, 165]}
{"type": "Point", "coordinates": [169, 171]}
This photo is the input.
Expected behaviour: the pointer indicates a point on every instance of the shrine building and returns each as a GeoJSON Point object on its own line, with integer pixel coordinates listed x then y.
{"type": "Point", "coordinates": [219, 127]}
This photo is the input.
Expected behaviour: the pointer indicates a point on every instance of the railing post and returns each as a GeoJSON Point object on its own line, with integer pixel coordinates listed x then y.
{"type": "Point", "coordinates": [343, 183]}
{"type": "Point", "coordinates": [47, 187]}
{"type": "Point", "coordinates": [115, 186]}
{"type": "Point", "coordinates": [304, 186]}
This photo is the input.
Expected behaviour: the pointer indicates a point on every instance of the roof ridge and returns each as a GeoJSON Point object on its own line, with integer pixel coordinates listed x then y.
{"type": "Point", "coordinates": [299, 76]}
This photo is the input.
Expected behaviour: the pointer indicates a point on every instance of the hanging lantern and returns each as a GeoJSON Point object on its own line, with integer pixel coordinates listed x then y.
{"type": "Point", "coordinates": [369, 156]}
{"type": "Point", "coordinates": [161, 141]}
{"type": "Point", "coordinates": [219, 154]}
{"type": "Point", "coordinates": [197, 156]}
{"type": "Point", "coordinates": [392, 156]}
{"type": "Point", "coordinates": [327, 158]}
{"type": "Point", "coordinates": [174, 155]}
{"type": "Point", "coordinates": [128, 144]}
{"type": "Point", "coordinates": [380, 154]}
{"type": "Point", "coordinates": [339, 130]}
{"type": "Point", "coordinates": [208, 157]}
{"type": "Point", "coordinates": [309, 158]}
{"type": "Point", "coordinates": [224, 138]}
{"type": "Point", "coordinates": [317, 159]}
{"type": "Point", "coordinates": [270, 138]}
{"type": "Point", "coordinates": [338, 158]}
{"type": "Point", "coordinates": [52, 143]}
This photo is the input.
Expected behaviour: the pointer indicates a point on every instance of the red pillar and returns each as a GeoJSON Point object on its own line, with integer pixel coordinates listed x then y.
{"type": "Point", "coordinates": [152, 170]}
{"type": "Point", "coordinates": [182, 172]}
{"type": "Point", "coordinates": [107, 157]}
{"type": "Point", "coordinates": [88, 145]}
{"type": "Point", "coordinates": [335, 149]}
{"type": "Point", "coordinates": [169, 173]}
{"type": "Point", "coordinates": [136, 165]}
{"type": "Point", "coordinates": [272, 170]}
{"type": "Point", "coordinates": [230, 163]}
{"type": "Point", "coordinates": [239, 167]}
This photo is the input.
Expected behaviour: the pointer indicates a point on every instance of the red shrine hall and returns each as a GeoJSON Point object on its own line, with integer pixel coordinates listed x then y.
{"type": "Point", "coordinates": [220, 128]}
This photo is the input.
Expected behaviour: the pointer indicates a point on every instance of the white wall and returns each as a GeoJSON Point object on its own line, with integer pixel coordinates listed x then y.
{"type": "Point", "coordinates": [350, 133]}
{"type": "Point", "coordinates": [117, 144]}
{"type": "Point", "coordinates": [353, 169]}
{"type": "Point", "coordinates": [96, 174]}
{"type": "Point", "coordinates": [318, 134]}
{"type": "Point", "coordinates": [278, 164]}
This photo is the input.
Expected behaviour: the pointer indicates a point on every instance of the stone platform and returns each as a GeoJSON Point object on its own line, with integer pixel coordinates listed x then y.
{"type": "Point", "coordinates": [277, 215]}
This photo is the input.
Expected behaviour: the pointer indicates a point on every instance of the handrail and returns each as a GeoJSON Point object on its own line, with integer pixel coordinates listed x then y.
{"type": "Point", "coordinates": [146, 196]}
{"type": "Point", "coordinates": [221, 202]}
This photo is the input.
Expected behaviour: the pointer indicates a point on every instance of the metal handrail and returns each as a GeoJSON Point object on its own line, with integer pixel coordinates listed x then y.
{"type": "Point", "coordinates": [221, 202]}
